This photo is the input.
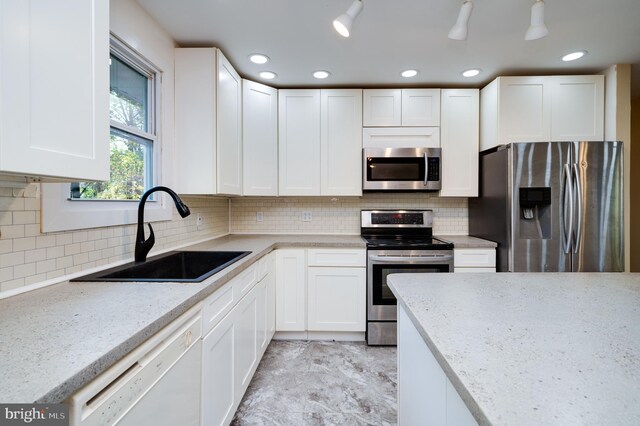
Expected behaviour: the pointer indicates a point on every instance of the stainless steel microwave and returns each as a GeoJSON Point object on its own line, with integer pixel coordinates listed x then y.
{"type": "Point", "coordinates": [401, 169]}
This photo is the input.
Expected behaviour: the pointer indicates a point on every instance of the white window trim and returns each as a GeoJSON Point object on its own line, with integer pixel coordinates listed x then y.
{"type": "Point", "coordinates": [58, 213]}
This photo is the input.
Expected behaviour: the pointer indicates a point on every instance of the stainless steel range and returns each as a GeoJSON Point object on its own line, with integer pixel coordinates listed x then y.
{"type": "Point", "coordinates": [398, 241]}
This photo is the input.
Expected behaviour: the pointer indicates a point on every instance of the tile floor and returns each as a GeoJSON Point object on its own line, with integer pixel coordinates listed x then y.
{"type": "Point", "coordinates": [322, 383]}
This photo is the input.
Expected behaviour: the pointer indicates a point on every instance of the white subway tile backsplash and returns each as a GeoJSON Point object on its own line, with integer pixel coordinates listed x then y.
{"type": "Point", "coordinates": [340, 215]}
{"type": "Point", "coordinates": [28, 256]}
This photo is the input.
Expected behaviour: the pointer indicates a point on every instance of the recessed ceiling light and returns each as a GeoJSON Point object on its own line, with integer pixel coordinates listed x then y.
{"type": "Point", "coordinates": [574, 55]}
{"type": "Point", "coordinates": [268, 75]}
{"type": "Point", "coordinates": [321, 74]}
{"type": "Point", "coordinates": [409, 73]}
{"type": "Point", "coordinates": [258, 58]}
{"type": "Point", "coordinates": [471, 73]}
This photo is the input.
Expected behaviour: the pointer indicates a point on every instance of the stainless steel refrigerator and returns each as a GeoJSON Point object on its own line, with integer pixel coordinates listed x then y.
{"type": "Point", "coordinates": [552, 206]}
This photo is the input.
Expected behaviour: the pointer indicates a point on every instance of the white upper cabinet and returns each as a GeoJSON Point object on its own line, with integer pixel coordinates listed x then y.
{"type": "Point", "coordinates": [208, 120]}
{"type": "Point", "coordinates": [259, 139]}
{"type": "Point", "coordinates": [340, 142]}
{"type": "Point", "coordinates": [382, 107]}
{"type": "Point", "coordinates": [319, 141]}
{"type": "Point", "coordinates": [299, 142]}
{"type": "Point", "coordinates": [420, 107]}
{"type": "Point", "coordinates": [54, 89]}
{"type": "Point", "coordinates": [578, 108]}
{"type": "Point", "coordinates": [459, 139]}
{"type": "Point", "coordinates": [229, 128]}
{"type": "Point", "coordinates": [541, 109]}
{"type": "Point", "coordinates": [401, 107]}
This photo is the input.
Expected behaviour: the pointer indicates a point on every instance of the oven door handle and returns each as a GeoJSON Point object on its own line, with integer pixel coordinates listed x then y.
{"type": "Point", "coordinates": [436, 258]}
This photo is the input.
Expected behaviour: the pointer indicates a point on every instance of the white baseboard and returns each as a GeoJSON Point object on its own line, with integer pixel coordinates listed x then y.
{"type": "Point", "coordinates": [338, 336]}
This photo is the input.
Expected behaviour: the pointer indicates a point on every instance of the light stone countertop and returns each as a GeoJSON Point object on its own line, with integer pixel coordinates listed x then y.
{"type": "Point", "coordinates": [466, 241]}
{"type": "Point", "coordinates": [56, 339]}
{"type": "Point", "coordinates": [533, 349]}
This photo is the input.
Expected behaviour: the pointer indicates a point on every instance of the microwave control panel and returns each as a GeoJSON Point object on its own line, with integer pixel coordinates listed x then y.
{"type": "Point", "coordinates": [433, 173]}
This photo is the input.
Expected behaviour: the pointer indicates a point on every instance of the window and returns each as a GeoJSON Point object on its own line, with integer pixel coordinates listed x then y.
{"type": "Point", "coordinates": [136, 149]}
{"type": "Point", "coordinates": [132, 133]}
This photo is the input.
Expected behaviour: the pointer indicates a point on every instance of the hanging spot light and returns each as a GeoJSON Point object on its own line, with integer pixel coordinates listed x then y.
{"type": "Point", "coordinates": [459, 30]}
{"type": "Point", "coordinates": [344, 22]}
{"type": "Point", "coordinates": [537, 29]}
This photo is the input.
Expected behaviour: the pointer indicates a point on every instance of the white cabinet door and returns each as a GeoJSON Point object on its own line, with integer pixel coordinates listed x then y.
{"type": "Point", "coordinates": [382, 107]}
{"type": "Point", "coordinates": [291, 290]}
{"type": "Point", "coordinates": [524, 109]}
{"type": "Point", "coordinates": [262, 333]}
{"type": "Point", "coordinates": [218, 380]}
{"type": "Point", "coordinates": [299, 142]}
{"type": "Point", "coordinates": [341, 142]}
{"type": "Point", "coordinates": [259, 139]}
{"type": "Point", "coordinates": [577, 112]}
{"type": "Point", "coordinates": [337, 298]}
{"type": "Point", "coordinates": [195, 156]}
{"type": "Point", "coordinates": [270, 281]}
{"type": "Point", "coordinates": [420, 107]}
{"type": "Point", "coordinates": [401, 137]}
{"type": "Point", "coordinates": [459, 139]}
{"type": "Point", "coordinates": [54, 89]}
{"type": "Point", "coordinates": [229, 129]}
{"type": "Point", "coordinates": [246, 351]}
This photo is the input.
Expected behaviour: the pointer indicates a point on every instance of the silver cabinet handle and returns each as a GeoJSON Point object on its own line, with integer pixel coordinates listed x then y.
{"type": "Point", "coordinates": [426, 169]}
{"type": "Point", "coordinates": [567, 187]}
{"type": "Point", "coordinates": [578, 201]}
{"type": "Point", "coordinates": [437, 258]}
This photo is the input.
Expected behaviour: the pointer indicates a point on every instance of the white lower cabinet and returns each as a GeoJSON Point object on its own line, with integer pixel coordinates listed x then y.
{"type": "Point", "coordinates": [337, 298]}
{"type": "Point", "coordinates": [235, 345]}
{"type": "Point", "coordinates": [425, 394]}
{"type": "Point", "coordinates": [218, 355]}
{"type": "Point", "coordinates": [474, 260]}
{"type": "Point", "coordinates": [291, 290]}
{"type": "Point", "coordinates": [321, 290]}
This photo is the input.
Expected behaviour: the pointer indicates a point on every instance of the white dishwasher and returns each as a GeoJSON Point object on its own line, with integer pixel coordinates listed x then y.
{"type": "Point", "coordinates": [157, 384]}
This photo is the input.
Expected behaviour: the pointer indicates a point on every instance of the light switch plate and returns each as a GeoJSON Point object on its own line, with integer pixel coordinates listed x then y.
{"type": "Point", "coordinates": [307, 216]}
{"type": "Point", "coordinates": [259, 216]}
{"type": "Point", "coordinates": [198, 221]}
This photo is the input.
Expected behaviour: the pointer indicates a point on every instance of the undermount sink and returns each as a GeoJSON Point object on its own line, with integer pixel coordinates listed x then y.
{"type": "Point", "coordinates": [178, 266]}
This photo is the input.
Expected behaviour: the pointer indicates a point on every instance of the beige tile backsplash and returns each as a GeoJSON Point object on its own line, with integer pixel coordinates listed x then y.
{"type": "Point", "coordinates": [341, 215]}
{"type": "Point", "coordinates": [28, 257]}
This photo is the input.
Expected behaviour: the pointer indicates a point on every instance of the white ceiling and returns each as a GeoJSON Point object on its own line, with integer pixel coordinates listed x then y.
{"type": "Point", "coordinates": [392, 35]}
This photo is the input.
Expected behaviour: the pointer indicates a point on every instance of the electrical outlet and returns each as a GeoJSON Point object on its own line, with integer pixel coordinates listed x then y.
{"type": "Point", "coordinates": [307, 216]}
{"type": "Point", "coordinates": [198, 221]}
{"type": "Point", "coordinates": [259, 216]}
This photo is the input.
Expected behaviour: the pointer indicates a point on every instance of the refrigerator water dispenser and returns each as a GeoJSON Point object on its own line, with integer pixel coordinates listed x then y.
{"type": "Point", "coordinates": [535, 207]}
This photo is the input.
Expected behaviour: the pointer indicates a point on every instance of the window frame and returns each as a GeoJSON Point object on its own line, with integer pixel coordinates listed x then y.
{"type": "Point", "coordinates": [61, 213]}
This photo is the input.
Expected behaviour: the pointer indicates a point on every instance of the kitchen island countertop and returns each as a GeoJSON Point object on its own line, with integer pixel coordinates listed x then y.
{"type": "Point", "coordinates": [533, 349]}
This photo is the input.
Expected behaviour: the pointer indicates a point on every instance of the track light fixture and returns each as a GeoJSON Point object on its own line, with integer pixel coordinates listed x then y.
{"type": "Point", "coordinates": [459, 30]}
{"type": "Point", "coordinates": [344, 22]}
{"type": "Point", "coordinates": [537, 29]}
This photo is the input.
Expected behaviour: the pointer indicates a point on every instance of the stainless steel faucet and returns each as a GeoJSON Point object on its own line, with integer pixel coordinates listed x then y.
{"type": "Point", "coordinates": [143, 246]}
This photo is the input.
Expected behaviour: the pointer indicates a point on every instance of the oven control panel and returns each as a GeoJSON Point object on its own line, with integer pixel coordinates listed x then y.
{"type": "Point", "coordinates": [396, 219]}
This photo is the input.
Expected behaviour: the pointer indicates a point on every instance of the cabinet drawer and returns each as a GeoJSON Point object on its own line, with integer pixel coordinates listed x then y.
{"type": "Point", "coordinates": [467, 270]}
{"type": "Point", "coordinates": [216, 306]}
{"type": "Point", "coordinates": [480, 258]}
{"type": "Point", "coordinates": [337, 257]}
{"type": "Point", "coordinates": [243, 282]}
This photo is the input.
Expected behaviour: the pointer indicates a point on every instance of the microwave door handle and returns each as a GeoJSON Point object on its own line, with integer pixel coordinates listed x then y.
{"type": "Point", "coordinates": [426, 169]}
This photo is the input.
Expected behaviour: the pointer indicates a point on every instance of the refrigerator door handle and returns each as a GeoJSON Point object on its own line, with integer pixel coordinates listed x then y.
{"type": "Point", "coordinates": [567, 189]}
{"type": "Point", "coordinates": [578, 200]}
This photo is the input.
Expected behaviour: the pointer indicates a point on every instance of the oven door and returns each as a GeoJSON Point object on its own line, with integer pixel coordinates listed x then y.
{"type": "Point", "coordinates": [381, 303]}
{"type": "Point", "coordinates": [402, 169]}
